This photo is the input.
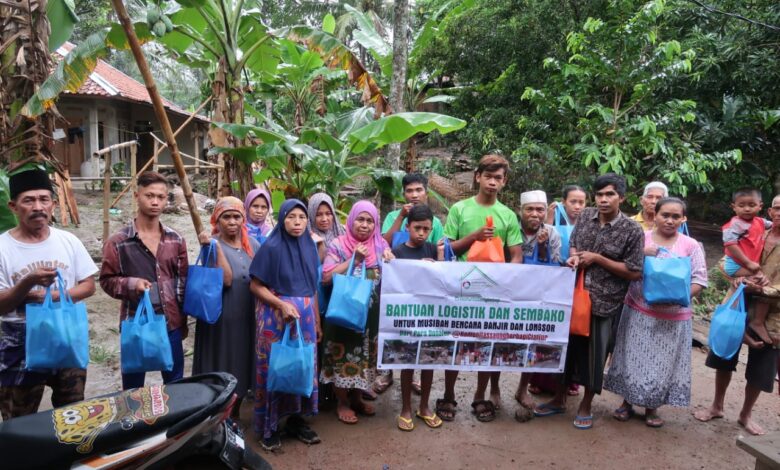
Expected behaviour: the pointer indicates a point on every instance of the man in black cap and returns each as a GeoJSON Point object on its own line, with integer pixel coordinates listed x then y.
{"type": "Point", "coordinates": [30, 254]}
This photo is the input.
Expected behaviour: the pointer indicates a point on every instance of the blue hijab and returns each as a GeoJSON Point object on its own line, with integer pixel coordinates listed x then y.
{"type": "Point", "coordinates": [286, 264]}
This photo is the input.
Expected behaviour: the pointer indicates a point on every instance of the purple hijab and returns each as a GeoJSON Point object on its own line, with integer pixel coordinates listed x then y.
{"type": "Point", "coordinates": [264, 226]}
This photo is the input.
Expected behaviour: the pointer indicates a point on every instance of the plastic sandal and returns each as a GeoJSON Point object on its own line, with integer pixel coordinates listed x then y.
{"type": "Point", "coordinates": [624, 413]}
{"type": "Point", "coordinates": [546, 409]}
{"type": "Point", "coordinates": [588, 422]}
{"type": "Point", "coordinates": [446, 409]}
{"type": "Point", "coordinates": [405, 424]}
{"type": "Point", "coordinates": [488, 412]}
{"type": "Point", "coordinates": [431, 421]}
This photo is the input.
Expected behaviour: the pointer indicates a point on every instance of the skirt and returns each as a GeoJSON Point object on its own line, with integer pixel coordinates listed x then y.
{"type": "Point", "coordinates": [651, 365]}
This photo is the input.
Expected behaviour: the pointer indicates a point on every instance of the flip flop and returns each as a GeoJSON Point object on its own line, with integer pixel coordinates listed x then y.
{"type": "Point", "coordinates": [624, 413]}
{"type": "Point", "coordinates": [546, 409]}
{"type": "Point", "coordinates": [586, 419]}
{"type": "Point", "coordinates": [363, 409]}
{"type": "Point", "coordinates": [446, 409]}
{"type": "Point", "coordinates": [380, 386]}
{"type": "Point", "coordinates": [654, 421]}
{"type": "Point", "coordinates": [405, 424]}
{"type": "Point", "coordinates": [431, 421]}
{"type": "Point", "coordinates": [346, 418]}
{"type": "Point", "coordinates": [488, 412]}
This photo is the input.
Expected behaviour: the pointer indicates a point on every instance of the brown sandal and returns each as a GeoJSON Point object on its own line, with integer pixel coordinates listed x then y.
{"type": "Point", "coordinates": [446, 409]}
{"type": "Point", "coordinates": [484, 410]}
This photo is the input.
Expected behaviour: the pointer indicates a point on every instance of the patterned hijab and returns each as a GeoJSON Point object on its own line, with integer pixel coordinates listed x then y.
{"type": "Point", "coordinates": [315, 201]}
{"type": "Point", "coordinates": [263, 225]}
{"type": "Point", "coordinates": [287, 264]}
{"type": "Point", "coordinates": [230, 203]}
{"type": "Point", "coordinates": [375, 243]}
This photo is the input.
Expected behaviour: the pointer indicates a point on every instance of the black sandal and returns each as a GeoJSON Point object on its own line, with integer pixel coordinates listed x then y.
{"type": "Point", "coordinates": [272, 443]}
{"type": "Point", "coordinates": [446, 409]}
{"type": "Point", "coordinates": [296, 427]}
{"type": "Point", "coordinates": [486, 413]}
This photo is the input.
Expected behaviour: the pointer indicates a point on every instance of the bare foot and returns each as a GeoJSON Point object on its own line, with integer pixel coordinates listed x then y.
{"type": "Point", "coordinates": [751, 427]}
{"type": "Point", "coordinates": [496, 399]}
{"type": "Point", "coordinates": [525, 400]}
{"type": "Point", "coordinates": [707, 414]}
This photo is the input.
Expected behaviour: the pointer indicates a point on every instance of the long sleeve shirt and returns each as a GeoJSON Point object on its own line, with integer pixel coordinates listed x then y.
{"type": "Point", "coordinates": [126, 259]}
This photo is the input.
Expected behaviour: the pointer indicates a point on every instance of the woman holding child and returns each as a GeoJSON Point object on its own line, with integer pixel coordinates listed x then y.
{"type": "Point", "coordinates": [651, 363]}
{"type": "Point", "coordinates": [349, 358]}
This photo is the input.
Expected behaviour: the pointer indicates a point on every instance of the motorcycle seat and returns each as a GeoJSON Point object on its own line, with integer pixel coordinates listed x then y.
{"type": "Point", "coordinates": [57, 438]}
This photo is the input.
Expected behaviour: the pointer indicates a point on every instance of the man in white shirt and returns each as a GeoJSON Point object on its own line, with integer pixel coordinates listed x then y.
{"type": "Point", "coordinates": [30, 255]}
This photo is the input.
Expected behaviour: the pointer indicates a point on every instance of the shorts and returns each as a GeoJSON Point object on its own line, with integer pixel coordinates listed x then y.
{"type": "Point", "coordinates": [730, 266]}
{"type": "Point", "coordinates": [759, 372]}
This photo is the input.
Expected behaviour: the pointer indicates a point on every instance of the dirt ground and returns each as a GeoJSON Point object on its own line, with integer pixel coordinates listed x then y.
{"type": "Point", "coordinates": [376, 443]}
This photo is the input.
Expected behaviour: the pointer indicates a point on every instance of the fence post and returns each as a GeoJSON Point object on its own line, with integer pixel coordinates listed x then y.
{"type": "Point", "coordinates": [106, 201]}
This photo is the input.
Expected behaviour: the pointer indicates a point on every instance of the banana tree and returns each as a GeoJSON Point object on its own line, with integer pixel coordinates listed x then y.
{"type": "Point", "coordinates": [333, 155]}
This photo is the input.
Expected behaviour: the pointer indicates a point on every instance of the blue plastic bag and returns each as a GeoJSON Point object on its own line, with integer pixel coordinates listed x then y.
{"type": "Point", "coordinates": [203, 291]}
{"type": "Point", "coordinates": [57, 332]}
{"type": "Point", "coordinates": [400, 237]}
{"type": "Point", "coordinates": [144, 340]}
{"type": "Point", "coordinates": [563, 230]}
{"type": "Point", "coordinates": [449, 253]}
{"type": "Point", "coordinates": [349, 301]}
{"type": "Point", "coordinates": [291, 366]}
{"type": "Point", "coordinates": [684, 229]}
{"type": "Point", "coordinates": [667, 280]}
{"type": "Point", "coordinates": [728, 325]}
{"type": "Point", "coordinates": [534, 258]}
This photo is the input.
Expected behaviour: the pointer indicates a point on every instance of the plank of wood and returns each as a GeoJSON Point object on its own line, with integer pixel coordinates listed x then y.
{"type": "Point", "coordinates": [70, 198]}
{"type": "Point", "coordinates": [766, 449]}
{"type": "Point", "coordinates": [61, 199]}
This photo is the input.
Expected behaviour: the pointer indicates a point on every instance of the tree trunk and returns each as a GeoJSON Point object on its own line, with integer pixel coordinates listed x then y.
{"type": "Point", "coordinates": [398, 84]}
{"type": "Point", "coordinates": [24, 39]}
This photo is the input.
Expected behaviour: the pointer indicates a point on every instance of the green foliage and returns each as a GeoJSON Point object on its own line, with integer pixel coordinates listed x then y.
{"type": "Point", "coordinates": [713, 295]}
{"type": "Point", "coordinates": [7, 218]}
{"type": "Point", "coordinates": [62, 18]}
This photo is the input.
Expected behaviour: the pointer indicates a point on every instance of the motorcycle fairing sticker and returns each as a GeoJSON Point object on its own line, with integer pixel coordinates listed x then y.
{"type": "Point", "coordinates": [81, 423]}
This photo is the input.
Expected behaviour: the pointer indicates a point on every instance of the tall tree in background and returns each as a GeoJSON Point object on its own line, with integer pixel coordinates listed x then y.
{"type": "Point", "coordinates": [398, 83]}
{"type": "Point", "coordinates": [24, 64]}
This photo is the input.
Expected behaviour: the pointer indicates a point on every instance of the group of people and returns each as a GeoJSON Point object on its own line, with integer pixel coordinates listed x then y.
{"type": "Point", "coordinates": [278, 271]}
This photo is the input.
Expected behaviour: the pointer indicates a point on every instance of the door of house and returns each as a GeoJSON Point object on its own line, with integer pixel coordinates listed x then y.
{"type": "Point", "coordinates": [70, 150]}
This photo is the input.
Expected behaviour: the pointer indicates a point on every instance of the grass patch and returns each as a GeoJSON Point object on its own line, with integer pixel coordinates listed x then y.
{"type": "Point", "coordinates": [101, 355]}
{"type": "Point", "coordinates": [713, 295]}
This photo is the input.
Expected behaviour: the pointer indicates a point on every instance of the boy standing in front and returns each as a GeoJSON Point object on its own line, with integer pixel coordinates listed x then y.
{"type": "Point", "coordinates": [415, 188]}
{"type": "Point", "coordinates": [466, 224]}
{"type": "Point", "coordinates": [419, 225]}
{"type": "Point", "coordinates": [148, 255]}
{"type": "Point", "coordinates": [609, 246]}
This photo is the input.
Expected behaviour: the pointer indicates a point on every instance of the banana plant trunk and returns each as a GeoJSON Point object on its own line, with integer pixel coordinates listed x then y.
{"type": "Point", "coordinates": [228, 98]}
{"type": "Point", "coordinates": [398, 84]}
{"type": "Point", "coordinates": [24, 64]}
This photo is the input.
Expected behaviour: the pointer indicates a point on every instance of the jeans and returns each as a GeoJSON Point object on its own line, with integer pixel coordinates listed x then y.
{"type": "Point", "coordinates": [136, 380]}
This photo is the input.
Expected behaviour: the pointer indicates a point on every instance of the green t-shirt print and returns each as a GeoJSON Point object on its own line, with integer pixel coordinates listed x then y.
{"type": "Point", "coordinates": [467, 216]}
{"type": "Point", "coordinates": [436, 233]}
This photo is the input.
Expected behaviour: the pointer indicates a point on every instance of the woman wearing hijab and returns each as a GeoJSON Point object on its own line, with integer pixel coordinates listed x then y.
{"type": "Point", "coordinates": [323, 223]}
{"type": "Point", "coordinates": [349, 360]}
{"type": "Point", "coordinates": [227, 344]}
{"type": "Point", "coordinates": [258, 214]}
{"type": "Point", "coordinates": [284, 279]}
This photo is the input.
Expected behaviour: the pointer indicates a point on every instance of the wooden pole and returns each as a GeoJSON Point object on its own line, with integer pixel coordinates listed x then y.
{"type": "Point", "coordinates": [158, 149]}
{"type": "Point", "coordinates": [62, 203]}
{"type": "Point", "coordinates": [133, 182]}
{"type": "Point", "coordinates": [106, 201]}
{"type": "Point", "coordinates": [159, 111]}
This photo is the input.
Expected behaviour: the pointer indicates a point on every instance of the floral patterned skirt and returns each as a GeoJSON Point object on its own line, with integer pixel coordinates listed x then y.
{"type": "Point", "coordinates": [271, 407]}
{"type": "Point", "coordinates": [349, 358]}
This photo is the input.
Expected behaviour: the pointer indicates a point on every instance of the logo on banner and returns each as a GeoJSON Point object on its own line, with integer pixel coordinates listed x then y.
{"type": "Point", "coordinates": [474, 282]}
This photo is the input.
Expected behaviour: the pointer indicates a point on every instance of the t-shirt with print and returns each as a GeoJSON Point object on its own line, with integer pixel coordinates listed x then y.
{"type": "Point", "coordinates": [17, 259]}
{"type": "Point", "coordinates": [468, 216]}
{"type": "Point", "coordinates": [426, 250]}
{"type": "Point", "coordinates": [437, 232]}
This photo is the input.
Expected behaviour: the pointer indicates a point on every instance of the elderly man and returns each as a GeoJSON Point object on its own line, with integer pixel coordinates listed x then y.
{"type": "Point", "coordinates": [762, 360]}
{"type": "Point", "coordinates": [547, 242]}
{"type": "Point", "coordinates": [653, 193]}
{"type": "Point", "coordinates": [30, 255]}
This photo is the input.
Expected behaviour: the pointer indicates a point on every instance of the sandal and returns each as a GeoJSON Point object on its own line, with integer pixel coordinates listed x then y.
{"type": "Point", "coordinates": [583, 422]}
{"type": "Point", "coordinates": [272, 443]}
{"type": "Point", "coordinates": [369, 394]}
{"type": "Point", "coordinates": [347, 416]}
{"type": "Point", "coordinates": [381, 384]}
{"type": "Point", "coordinates": [484, 410]}
{"type": "Point", "coordinates": [624, 413]}
{"type": "Point", "coordinates": [431, 421]}
{"type": "Point", "coordinates": [446, 409]}
{"type": "Point", "coordinates": [653, 420]}
{"type": "Point", "coordinates": [573, 391]}
{"type": "Point", "coordinates": [546, 409]}
{"type": "Point", "coordinates": [363, 409]}
{"type": "Point", "coordinates": [405, 424]}
{"type": "Point", "coordinates": [301, 431]}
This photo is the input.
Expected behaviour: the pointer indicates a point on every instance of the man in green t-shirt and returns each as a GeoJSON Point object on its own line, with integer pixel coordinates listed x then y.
{"type": "Point", "coordinates": [415, 192]}
{"type": "Point", "coordinates": [466, 224]}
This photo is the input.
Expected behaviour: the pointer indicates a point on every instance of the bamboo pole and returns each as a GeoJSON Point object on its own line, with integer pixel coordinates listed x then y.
{"type": "Point", "coordinates": [111, 148]}
{"type": "Point", "coordinates": [159, 111]}
{"type": "Point", "coordinates": [133, 175]}
{"type": "Point", "coordinates": [106, 200]}
{"type": "Point", "coordinates": [158, 149]}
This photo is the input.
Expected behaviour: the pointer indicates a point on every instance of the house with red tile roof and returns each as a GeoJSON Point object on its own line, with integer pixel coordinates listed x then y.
{"type": "Point", "coordinates": [111, 108]}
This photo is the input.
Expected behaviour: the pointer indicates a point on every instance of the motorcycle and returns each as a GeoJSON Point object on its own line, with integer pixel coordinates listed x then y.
{"type": "Point", "coordinates": [142, 428]}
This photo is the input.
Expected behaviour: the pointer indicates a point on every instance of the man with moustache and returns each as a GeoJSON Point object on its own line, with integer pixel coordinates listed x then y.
{"type": "Point", "coordinates": [30, 255]}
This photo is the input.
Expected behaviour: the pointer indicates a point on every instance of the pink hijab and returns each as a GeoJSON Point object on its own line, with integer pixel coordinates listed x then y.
{"type": "Point", "coordinates": [375, 243]}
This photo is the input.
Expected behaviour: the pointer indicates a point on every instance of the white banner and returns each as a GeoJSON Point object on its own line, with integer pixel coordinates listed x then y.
{"type": "Point", "coordinates": [474, 316]}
